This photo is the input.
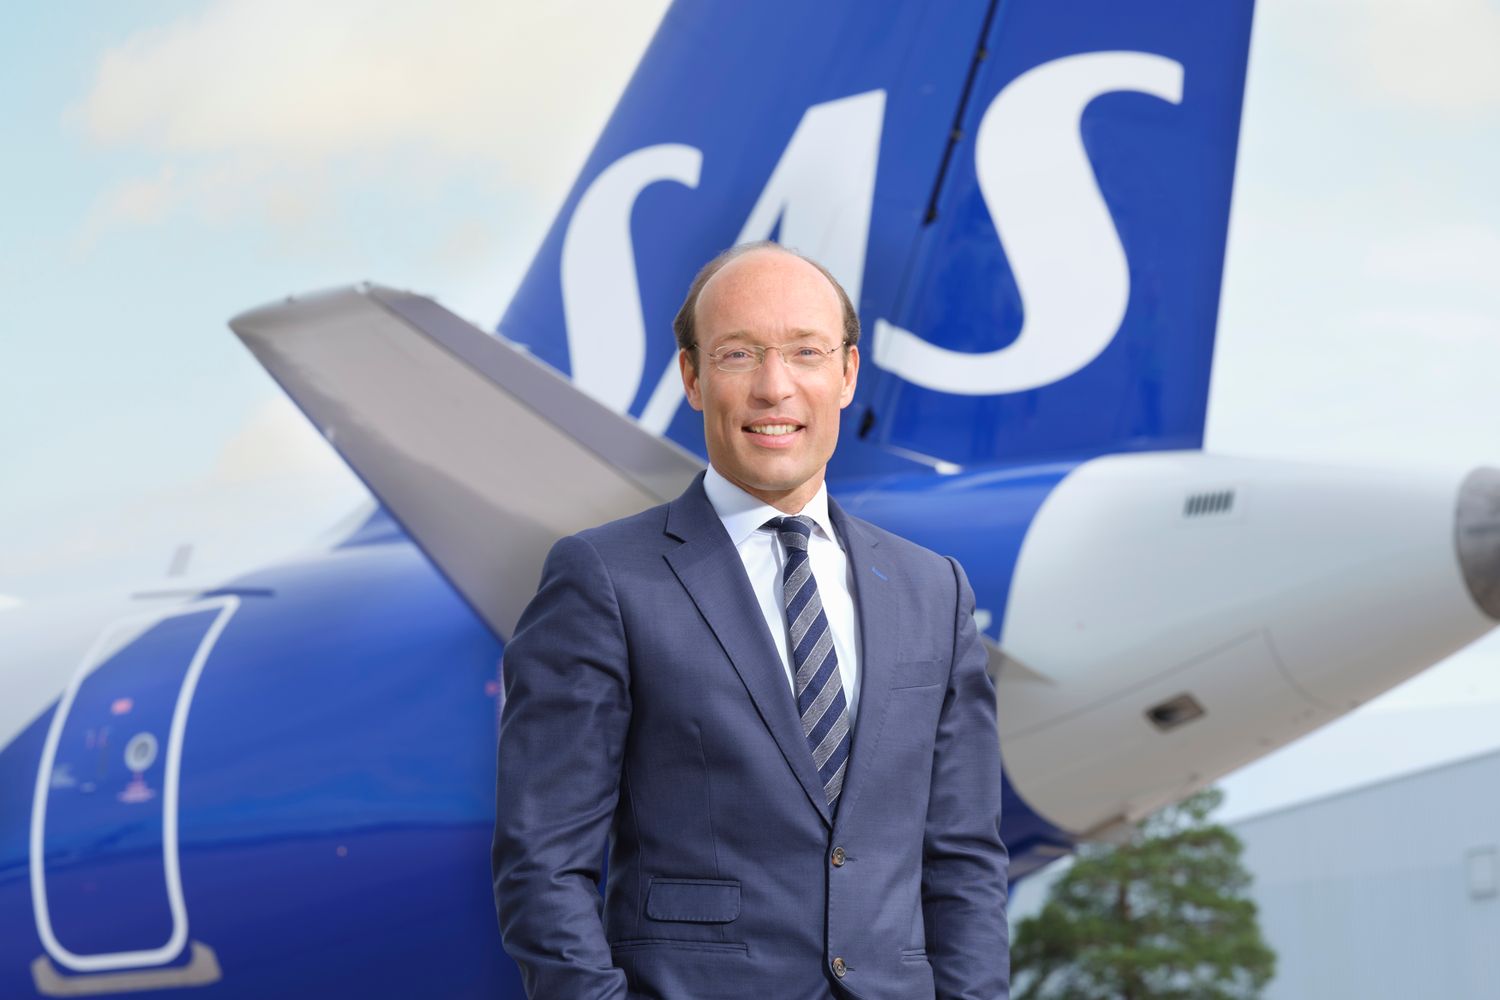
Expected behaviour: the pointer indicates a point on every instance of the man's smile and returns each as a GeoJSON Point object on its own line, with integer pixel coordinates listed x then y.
{"type": "Point", "coordinates": [773, 433]}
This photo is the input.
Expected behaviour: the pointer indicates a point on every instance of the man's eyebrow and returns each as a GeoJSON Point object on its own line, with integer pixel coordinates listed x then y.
{"type": "Point", "coordinates": [744, 335]}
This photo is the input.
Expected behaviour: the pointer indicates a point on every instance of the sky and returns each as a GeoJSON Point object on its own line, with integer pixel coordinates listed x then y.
{"type": "Point", "coordinates": [174, 163]}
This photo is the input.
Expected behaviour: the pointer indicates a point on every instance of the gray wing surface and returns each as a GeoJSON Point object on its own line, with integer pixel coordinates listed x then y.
{"type": "Point", "coordinates": [483, 454]}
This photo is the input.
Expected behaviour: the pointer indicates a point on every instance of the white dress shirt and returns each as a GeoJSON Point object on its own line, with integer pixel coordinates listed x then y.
{"type": "Point", "coordinates": [762, 553]}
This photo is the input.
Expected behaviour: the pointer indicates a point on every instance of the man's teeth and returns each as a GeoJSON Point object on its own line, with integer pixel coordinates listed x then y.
{"type": "Point", "coordinates": [774, 430]}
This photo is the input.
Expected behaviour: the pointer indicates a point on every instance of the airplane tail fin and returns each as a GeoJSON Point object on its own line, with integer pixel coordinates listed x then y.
{"type": "Point", "coordinates": [1028, 201]}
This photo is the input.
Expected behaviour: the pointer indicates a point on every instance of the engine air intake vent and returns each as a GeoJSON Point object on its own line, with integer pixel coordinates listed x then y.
{"type": "Point", "coordinates": [1203, 504]}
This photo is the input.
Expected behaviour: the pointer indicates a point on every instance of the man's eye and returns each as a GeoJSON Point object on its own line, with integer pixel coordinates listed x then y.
{"type": "Point", "coordinates": [735, 355]}
{"type": "Point", "coordinates": [809, 352]}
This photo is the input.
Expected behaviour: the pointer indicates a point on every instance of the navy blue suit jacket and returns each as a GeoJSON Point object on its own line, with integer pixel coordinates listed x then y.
{"type": "Point", "coordinates": [645, 703]}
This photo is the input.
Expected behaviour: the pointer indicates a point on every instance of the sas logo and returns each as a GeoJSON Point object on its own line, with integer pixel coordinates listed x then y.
{"type": "Point", "coordinates": [1038, 187]}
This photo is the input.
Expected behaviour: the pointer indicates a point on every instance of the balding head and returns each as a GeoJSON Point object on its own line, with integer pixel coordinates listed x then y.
{"type": "Point", "coordinates": [685, 325]}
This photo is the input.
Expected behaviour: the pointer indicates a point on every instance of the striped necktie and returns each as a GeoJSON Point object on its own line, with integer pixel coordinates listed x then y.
{"type": "Point", "coordinates": [820, 691]}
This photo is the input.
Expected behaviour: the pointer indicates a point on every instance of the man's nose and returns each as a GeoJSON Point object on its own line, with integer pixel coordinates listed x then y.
{"type": "Point", "coordinates": [773, 379]}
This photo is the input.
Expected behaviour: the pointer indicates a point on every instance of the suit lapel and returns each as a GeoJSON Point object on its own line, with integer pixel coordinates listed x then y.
{"type": "Point", "coordinates": [710, 569]}
{"type": "Point", "coordinates": [879, 627]}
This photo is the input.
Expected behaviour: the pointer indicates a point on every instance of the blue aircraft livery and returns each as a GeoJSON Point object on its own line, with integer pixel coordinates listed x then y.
{"type": "Point", "coordinates": [284, 785]}
{"type": "Point", "coordinates": [1028, 201]}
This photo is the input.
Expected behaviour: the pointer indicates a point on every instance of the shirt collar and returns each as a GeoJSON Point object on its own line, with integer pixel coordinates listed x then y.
{"type": "Point", "coordinates": [743, 514]}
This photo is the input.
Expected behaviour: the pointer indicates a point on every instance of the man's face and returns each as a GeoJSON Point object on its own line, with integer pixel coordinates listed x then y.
{"type": "Point", "coordinates": [770, 431]}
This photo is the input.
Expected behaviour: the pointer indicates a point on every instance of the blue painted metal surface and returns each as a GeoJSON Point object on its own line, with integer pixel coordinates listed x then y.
{"type": "Point", "coordinates": [917, 53]}
{"type": "Point", "coordinates": [1165, 171]}
{"type": "Point", "coordinates": [336, 801]}
{"type": "Point", "coordinates": [935, 263]}
{"type": "Point", "coordinates": [337, 773]}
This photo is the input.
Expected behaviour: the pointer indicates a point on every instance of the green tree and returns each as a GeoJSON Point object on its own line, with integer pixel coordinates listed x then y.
{"type": "Point", "coordinates": [1162, 916]}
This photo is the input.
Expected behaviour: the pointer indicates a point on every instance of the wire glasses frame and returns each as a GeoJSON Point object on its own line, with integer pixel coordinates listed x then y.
{"type": "Point", "coordinates": [749, 357]}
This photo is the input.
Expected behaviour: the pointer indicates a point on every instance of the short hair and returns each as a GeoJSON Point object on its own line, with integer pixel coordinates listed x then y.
{"type": "Point", "coordinates": [685, 325]}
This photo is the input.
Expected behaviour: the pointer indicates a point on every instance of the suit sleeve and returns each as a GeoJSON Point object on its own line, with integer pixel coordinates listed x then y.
{"type": "Point", "coordinates": [562, 738]}
{"type": "Point", "coordinates": [965, 863]}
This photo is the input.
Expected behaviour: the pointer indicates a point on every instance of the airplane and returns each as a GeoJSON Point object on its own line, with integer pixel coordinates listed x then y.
{"type": "Point", "coordinates": [282, 783]}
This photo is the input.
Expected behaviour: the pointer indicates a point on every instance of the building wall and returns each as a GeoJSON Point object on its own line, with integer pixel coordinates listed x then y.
{"type": "Point", "coordinates": [1387, 891]}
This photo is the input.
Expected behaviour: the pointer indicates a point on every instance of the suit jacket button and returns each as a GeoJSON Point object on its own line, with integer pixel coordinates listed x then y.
{"type": "Point", "coordinates": [838, 857]}
{"type": "Point", "coordinates": [839, 967]}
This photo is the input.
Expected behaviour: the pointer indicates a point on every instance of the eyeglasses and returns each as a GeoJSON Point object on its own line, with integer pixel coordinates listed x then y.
{"type": "Point", "coordinates": [748, 357]}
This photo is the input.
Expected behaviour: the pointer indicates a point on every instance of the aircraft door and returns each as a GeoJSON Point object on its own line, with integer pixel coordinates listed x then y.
{"type": "Point", "coordinates": [106, 880]}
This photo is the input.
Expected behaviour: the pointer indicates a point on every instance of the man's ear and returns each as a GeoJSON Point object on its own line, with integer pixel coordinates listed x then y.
{"type": "Point", "coordinates": [690, 386]}
{"type": "Point", "coordinates": [851, 376]}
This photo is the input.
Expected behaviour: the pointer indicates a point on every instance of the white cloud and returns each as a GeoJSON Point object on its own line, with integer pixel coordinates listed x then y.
{"type": "Point", "coordinates": [1434, 56]}
{"type": "Point", "coordinates": [465, 80]}
{"type": "Point", "coordinates": [139, 201]}
{"type": "Point", "coordinates": [7, 602]}
{"type": "Point", "coordinates": [275, 441]}
{"type": "Point", "coordinates": [275, 488]}
{"type": "Point", "coordinates": [1454, 254]}
{"type": "Point", "coordinates": [1432, 330]}
{"type": "Point", "coordinates": [270, 111]}
{"type": "Point", "coordinates": [145, 200]}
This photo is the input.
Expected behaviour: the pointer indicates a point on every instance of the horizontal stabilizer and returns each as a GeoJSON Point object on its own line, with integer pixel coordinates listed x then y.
{"type": "Point", "coordinates": [484, 455]}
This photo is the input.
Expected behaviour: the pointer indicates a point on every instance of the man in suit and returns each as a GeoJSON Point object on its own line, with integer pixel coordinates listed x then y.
{"type": "Point", "coordinates": [776, 714]}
